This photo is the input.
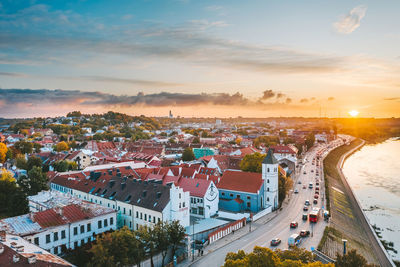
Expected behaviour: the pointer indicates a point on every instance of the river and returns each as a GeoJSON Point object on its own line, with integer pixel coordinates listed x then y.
{"type": "Point", "coordinates": [373, 173]}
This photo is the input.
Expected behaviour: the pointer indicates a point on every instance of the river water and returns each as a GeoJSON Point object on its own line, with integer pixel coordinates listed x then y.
{"type": "Point", "coordinates": [374, 175]}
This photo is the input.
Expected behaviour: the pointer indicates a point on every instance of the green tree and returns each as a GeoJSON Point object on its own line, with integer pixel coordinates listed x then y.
{"type": "Point", "coordinates": [61, 166]}
{"type": "Point", "coordinates": [352, 258]}
{"type": "Point", "coordinates": [37, 147]}
{"type": "Point", "coordinates": [9, 154]}
{"type": "Point", "coordinates": [162, 240]}
{"type": "Point", "coordinates": [263, 257]}
{"type": "Point", "coordinates": [284, 185]}
{"type": "Point", "coordinates": [176, 235]}
{"type": "Point", "coordinates": [3, 152]}
{"type": "Point", "coordinates": [196, 140]}
{"type": "Point", "coordinates": [34, 161]}
{"type": "Point", "coordinates": [23, 147]}
{"type": "Point", "coordinates": [295, 254]}
{"type": "Point", "coordinates": [252, 162]}
{"type": "Point", "coordinates": [147, 236]}
{"type": "Point", "coordinates": [74, 114]}
{"type": "Point", "coordinates": [310, 140]}
{"type": "Point", "coordinates": [188, 154]}
{"type": "Point", "coordinates": [13, 200]}
{"type": "Point", "coordinates": [21, 162]}
{"type": "Point", "coordinates": [37, 181]}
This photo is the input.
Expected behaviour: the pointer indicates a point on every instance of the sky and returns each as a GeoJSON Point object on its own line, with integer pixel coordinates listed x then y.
{"type": "Point", "coordinates": [200, 58]}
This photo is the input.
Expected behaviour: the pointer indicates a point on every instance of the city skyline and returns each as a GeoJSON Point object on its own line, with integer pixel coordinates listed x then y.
{"type": "Point", "coordinates": [200, 59]}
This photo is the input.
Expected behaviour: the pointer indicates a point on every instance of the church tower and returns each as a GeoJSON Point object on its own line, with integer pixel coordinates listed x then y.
{"type": "Point", "coordinates": [270, 178]}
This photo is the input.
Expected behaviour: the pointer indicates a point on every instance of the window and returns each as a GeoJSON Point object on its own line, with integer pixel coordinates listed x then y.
{"type": "Point", "coordinates": [268, 181]}
{"type": "Point", "coordinates": [56, 250]}
{"type": "Point", "coordinates": [248, 197]}
{"type": "Point", "coordinates": [130, 212]}
{"type": "Point", "coordinates": [105, 223]}
{"type": "Point", "coordinates": [111, 221]}
{"type": "Point", "coordinates": [180, 205]}
{"type": "Point", "coordinates": [231, 195]}
{"type": "Point", "coordinates": [36, 241]}
{"type": "Point", "coordinates": [82, 229]}
{"type": "Point", "coordinates": [75, 230]}
{"type": "Point", "coordinates": [194, 210]}
{"type": "Point", "coordinates": [267, 169]}
{"type": "Point", "coordinates": [145, 217]}
{"type": "Point", "coordinates": [179, 195]}
{"type": "Point", "coordinates": [201, 211]}
{"type": "Point", "coordinates": [89, 227]}
{"type": "Point", "coordinates": [99, 224]}
{"type": "Point", "coordinates": [267, 198]}
{"type": "Point", "coordinates": [223, 193]}
{"type": "Point", "coordinates": [158, 220]}
{"type": "Point", "coordinates": [124, 211]}
{"type": "Point", "coordinates": [267, 189]}
{"type": "Point", "coordinates": [238, 196]}
{"type": "Point", "coordinates": [55, 236]}
{"type": "Point", "coordinates": [141, 215]}
{"type": "Point", "coordinates": [154, 219]}
{"type": "Point", "coordinates": [137, 214]}
{"type": "Point", "coordinates": [130, 224]}
{"type": "Point", "coordinates": [183, 204]}
{"type": "Point", "coordinates": [75, 244]}
{"type": "Point", "coordinates": [63, 234]}
{"type": "Point", "coordinates": [248, 204]}
{"type": "Point", "coordinates": [47, 238]}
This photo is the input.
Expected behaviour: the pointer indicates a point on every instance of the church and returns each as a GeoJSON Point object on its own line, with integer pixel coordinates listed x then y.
{"type": "Point", "coordinates": [248, 191]}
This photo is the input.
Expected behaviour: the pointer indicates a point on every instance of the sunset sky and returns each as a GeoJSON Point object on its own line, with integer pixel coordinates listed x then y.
{"type": "Point", "coordinates": [200, 58]}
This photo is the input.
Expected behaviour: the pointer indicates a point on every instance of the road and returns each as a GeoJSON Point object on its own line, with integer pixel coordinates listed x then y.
{"type": "Point", "coordinates": [279, 225]}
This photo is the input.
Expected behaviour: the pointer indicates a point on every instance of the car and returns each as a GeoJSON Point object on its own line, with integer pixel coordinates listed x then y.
{"type": "Point", "coordinates": [316, 192]}
{"type": "Point", "coordinates": [296, 191]}
{"type": "Point", "coordinates": [304, 187]}
{"type": "Point", "coordinates": [317, 188]}
{"type": "Point", "coordinates": [317, 183]}
{"type": "Point", "coordinates": [294, 225]}
{"type": "Point", "coordinates": [312, 170]}
{"type": "Point", "coordinates": [275, 242]}
{"type": "Point", "coordinates": [304, 233]}
{"type": "Point", "coordinates": [305, 208]}
{"type": "Point", "coordinates": [317, 174]}
{"type": "Point", "coordinates": [316, 196]}
{"type": "Point", "coordinates": [307, 202]}
{"type": "Point", "coordinates": [304, 172]}
{"type": "Point", "coordinates": [299, 182]}
{"type": "Point", "coordinates": [315, 201]}
{"type": "Point", "coordinates": [305, 216]}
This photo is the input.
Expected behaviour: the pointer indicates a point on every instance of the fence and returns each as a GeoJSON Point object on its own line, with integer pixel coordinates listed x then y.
{"type": "Point", "coordinates": [220, 233]}
{"type": "Point", "coordinates": [262, 213]}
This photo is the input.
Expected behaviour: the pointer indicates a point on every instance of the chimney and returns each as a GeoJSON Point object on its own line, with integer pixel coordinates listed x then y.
{"type": "Point", "coordinates": [1, 248]}
{"type": "Point", "coordinates": [32, 259]}
{"type": "Point", "coordinates": [3, 236]}
{"type": "Point", "coordinates": [19, 248]}
{"type": "Point", "coordinates": [15, 258]}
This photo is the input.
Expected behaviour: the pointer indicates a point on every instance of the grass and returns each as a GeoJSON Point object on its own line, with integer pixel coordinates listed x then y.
{"type": "Point", "coordinates": [329, 232]}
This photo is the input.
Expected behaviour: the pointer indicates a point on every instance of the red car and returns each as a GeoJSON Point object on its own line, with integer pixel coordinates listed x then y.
{"type": "Point", "coordinates": [294, 225]}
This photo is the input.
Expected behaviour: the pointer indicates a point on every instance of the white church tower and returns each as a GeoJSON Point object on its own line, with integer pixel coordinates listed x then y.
{"type": "Point", "coordinates": [270, 177]}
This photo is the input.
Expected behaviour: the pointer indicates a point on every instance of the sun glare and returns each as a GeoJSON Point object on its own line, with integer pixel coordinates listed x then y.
{"type": "Point", "coordinates": [353, 113]}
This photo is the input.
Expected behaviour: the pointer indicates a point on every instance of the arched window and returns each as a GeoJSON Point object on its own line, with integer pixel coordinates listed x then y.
{"type": "Point", "coordinates": [267, 169]}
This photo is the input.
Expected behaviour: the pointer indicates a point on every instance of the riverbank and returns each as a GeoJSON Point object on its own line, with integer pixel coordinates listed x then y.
{"type": "Point", "coordinates": [347, 218]}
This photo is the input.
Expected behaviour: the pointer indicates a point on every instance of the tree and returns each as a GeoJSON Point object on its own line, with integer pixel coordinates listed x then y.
{"type": "Point", "coordinates": [9, 154]}
{"type": "Point", "coordinates": [176, 235]}
{"type": "Point", "coordinates": [37, 147]}
{"type": "Point", "coordinates": [352, 258]}
{"type": "Point", "coordinates": [62, 146]}
{"type": "Point", "coordinates": [74, 114]}
{"type": "Point", "coordinates": [196, 140]}
{"type": "Point", "coordinates": [310, 140]}
{"type": "Point", "coordinates": [252, 162]}
{"type": "Point", "coordinates": [34, 161]}
{"type": "Point", "coordinates": [37, 181]}
{"type": "Point", "coordinates": [188, 154]}
{"type": "Point", "coordinates": [13, 200]}
{"type": "Point", "coordinates": [3, 152]}
{"type": "Point", "coordinates": [147, 236]}
{"type": "Point", "coordinates": [162, 241]}
{"type": "Point", "coordinates": [6, 176]}
{"type": "Point", "coordinates": [263, 257]}
{"type": "Point", "coordinates": [295, 254]}
{"type": "Point", "coordinates": [284, 185]}
{"type": "Point", "coordinates": [21, 162]}
{"type": "Point", "coordinates": [23, 147]}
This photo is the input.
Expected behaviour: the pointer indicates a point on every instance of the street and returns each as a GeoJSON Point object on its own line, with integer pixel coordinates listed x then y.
{"type": "Point", "coordinates": [279, 227]}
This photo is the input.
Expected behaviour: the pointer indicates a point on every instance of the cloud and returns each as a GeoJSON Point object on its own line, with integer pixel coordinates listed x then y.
{"type": "Point", "coordinates": [267, 94]}
{"type": "Point", "coordinates": [392, 98]}
{"type": "Point", "coordinates": [304, 100]}
{"type": "Point", "coordinates": [331, 98]}
{"type": "Point", "coordinates": [351, 21]}
{"type": "Point", "coordinates": [12, 74]}
{"type": "Point", "coordinates": [288, 100]}
{"type": "Point", "coordinates": [280, 95]}
{"type": "Point", "coordinates": [131, 81]}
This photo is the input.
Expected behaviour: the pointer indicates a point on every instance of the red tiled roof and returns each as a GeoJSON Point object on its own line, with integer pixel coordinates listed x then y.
{"type": "Point", "coordinates": [241, 181]}
{"type": "Point", "coordinates": [282, 149]}
{"type": "Point", "coordinates": [196, 187]}
{"type": "Point", "coordinates": [48, 218]}
{"type": "Point", "coordinates": [74, 214]}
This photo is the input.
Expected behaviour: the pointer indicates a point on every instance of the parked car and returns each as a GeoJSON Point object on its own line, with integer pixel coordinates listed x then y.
{"type": "Point", "coordinates": [305, 217]}
{"type": "Point", "coordinates": [304, 172]}
{"type": "Point", "coordinates": [304, 233]}
{"type": "Point", "coordinates": [294, 224]}
{"type": "Point", "coordinates": [315, 201]}
{"type": "Point", "coordinates": [305, 208]}
{"type": "Point", "coordinates": [304, 186]}
{"type": "Point", "coordinates": [299, 182]}
{"type": "Point", "coordinates": [275, 242]}
{"type": "Point", "coordinates": [296, 191]}
{"type": "Point", "coordinates": [312, 170]}
{"type": "Point", "coordinates": [315, 196]}
{"type": "Point", "coordinates": [307, 202]}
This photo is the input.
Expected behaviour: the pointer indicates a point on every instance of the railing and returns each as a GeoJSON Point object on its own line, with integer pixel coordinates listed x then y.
{"type": "Point", "coordinates": [226, 230]}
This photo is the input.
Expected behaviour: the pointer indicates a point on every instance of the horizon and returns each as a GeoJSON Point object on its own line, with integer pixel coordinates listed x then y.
{"type": "Point", "coordinates": [225, 59]}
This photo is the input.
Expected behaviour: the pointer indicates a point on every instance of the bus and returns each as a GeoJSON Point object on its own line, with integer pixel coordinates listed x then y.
{"type": "Point", "coordinates": [294, 240]}
{"type": "Point", "coordinates": [314, 214]}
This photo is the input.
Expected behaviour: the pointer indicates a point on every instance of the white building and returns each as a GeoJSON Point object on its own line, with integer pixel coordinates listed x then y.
{"type": "Point", "coordinates": [61, 228]}
{"type": "Point", "coordinates": [271, 179]}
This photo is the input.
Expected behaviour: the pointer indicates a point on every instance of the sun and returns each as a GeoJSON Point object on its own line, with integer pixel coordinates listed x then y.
{"type": "Point", "coordinates": [353, 113]}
